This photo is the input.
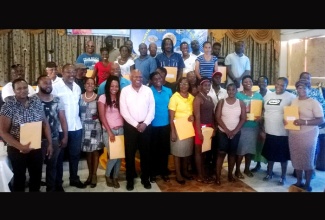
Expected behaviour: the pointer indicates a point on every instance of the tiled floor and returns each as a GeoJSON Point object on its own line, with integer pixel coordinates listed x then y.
{"type": "Point", "coordinates": [254, 184]}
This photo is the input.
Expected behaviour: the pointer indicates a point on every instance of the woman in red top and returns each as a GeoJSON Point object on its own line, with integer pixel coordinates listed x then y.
{"type": "Point", "coordinates": [102, 68]}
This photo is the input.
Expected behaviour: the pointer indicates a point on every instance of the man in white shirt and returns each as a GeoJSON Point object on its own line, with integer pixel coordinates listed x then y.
{"type": "Point", "coordinates": [16, 71]}
{"type": "Point", "coordinates": [137, 107]}
{"type": "Point", "coordinates": [238, 65]}
{"type": "Point", "coordinates": [69, 92]}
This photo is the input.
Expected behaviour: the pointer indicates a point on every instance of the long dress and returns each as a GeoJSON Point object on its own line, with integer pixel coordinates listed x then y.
{"type": "Point", "coordinates": [91, 127]}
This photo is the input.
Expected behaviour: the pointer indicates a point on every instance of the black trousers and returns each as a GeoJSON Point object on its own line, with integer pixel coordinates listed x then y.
{"type": "Point", "coordinates": [160, 150]}
{"type": "Point", "coordinates": [33, 162]}
{"type": "Point", "coordinates": [135, 140]}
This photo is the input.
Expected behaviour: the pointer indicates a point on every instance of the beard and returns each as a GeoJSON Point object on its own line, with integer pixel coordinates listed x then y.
{"type": "Point", "coordinates": [46, 91]}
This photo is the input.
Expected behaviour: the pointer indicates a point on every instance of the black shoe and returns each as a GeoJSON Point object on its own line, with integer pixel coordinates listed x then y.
{"type": "Point", "coordinates": [146, 184]}
{"type": "Point", "coordinates": [256, 169]}
{"type": "Point", "coordinates": [153, 179]}
{"type": "Point", "coordinates": [78, 184]}
{"type": "Point", "coordinates": [129, 186]}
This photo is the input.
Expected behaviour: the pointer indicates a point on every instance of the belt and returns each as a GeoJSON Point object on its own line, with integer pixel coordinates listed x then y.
{"type": "Point", "coordinates": [140, 122]}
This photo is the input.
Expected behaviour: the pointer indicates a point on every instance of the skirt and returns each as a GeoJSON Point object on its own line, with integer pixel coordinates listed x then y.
{"type": "Point", "coordinates": [276, 148]}
{"type": "Point", "coordinates": [247, 141]}
{"type": "Point", "coordinates": [182, 148]}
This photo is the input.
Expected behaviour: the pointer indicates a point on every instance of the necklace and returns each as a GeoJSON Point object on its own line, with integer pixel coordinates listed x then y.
{"type": "Point", "coordinates": [90, 96]}
{"type": "Point", "coordinates": [206, 97]}
{"type": "Point", "coordinates": [251, 96]}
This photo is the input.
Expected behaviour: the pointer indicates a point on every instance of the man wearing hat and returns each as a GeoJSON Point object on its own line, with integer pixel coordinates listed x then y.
{"type": "Point", "coordinates": [81, 71]}
{"type": "Point", "coordinates": [216, 93]}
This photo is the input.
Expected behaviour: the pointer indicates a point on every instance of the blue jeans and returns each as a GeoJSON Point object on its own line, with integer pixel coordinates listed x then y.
{"type": "Point", "coordinates": [112, 163]}
{"type": "Point", "coordinates": [74, 149]}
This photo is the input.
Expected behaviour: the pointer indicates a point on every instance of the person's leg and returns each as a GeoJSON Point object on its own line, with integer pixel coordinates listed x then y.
{"type": "Point", "coordinates": [177, 164]}
{"type": "Point", "coordinates": [220, 159]}
{"type": "Point", "coordinates": [89, 164]}
{"type": "Point", "coordinates": [269, 173]}
{"type": "Point", "coordinates": [299, 182]}
{"type": "Point", "coordinates": [308, 175]}
{"type": "Point", "coordinates": [35, 165]}
{"type": "Point", "coordinates": [155, 153]}
{"type": "Point", "coordinates": [59, 168]}
{"type": "Point", "coordinates": [198, 162]}
{"type": "Point", "coordinates": [74, 147]}
{"type": "Point", "coordinates": [51, 166]}
{"type": "Point", "coordinates": [248, 159]}
{"type": "Point", "coordinates": [19, 165]}
{"type": "Point", "coordinates": [131, 143]}
{"type": "Point", "coordinates": [144, 150]}
{"type": "Point", "coordinates": [284, 166]}
{"type": "Point", "coordinates": [164, 151]}
{"type": "Point", "coordinates": [238, 173]}
{"type": "Point", "coordinates": [94, 167]}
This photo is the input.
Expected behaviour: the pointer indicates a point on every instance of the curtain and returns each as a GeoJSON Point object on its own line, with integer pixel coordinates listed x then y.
{"type": "Point", "coordinates": [262, 48]}
{"type": "Point", "coordinates": [32, 47]}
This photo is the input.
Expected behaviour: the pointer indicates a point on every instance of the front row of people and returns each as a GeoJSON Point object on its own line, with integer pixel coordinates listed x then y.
{"type": "Point", "coordinates": [145, 116]}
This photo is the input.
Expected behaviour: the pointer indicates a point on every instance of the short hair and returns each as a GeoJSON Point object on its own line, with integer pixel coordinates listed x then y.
{"type": "Point", "coordinates": [40, 78]}
{"type": "Point", "coordinates": [153, 74]}
{"type": "Point", "coordinates": [216, 43]}
{"type": "Point", "coordinates": [245, 77]}
{"type": "Point", "coordinates": [303, 82]}
{"type": "Point", "coordinates": [103, 49]}
{"type": "Point", "coordinates": [285, 79]}
{"type": "Point", "coordinates": [231, 85]}
{"type": "Point", "coordinates": [265, 77]}
{"type": "Point", "coordinates": [16, 81]}
{"type": "Point", "coordinates": [304, 73]}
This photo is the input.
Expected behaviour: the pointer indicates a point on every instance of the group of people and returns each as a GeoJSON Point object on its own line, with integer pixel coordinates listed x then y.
{"type": "Point", "coordinates": [128, 94]}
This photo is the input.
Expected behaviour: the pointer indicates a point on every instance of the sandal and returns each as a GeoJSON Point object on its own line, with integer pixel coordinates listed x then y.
{"type": "Point", "coordinates": [282, 182]}
{"type": "Point", "coordinates": [249, 173]}
{"type": "Point", "coordinates": [208, 180]}
{"type": "Point", "coordinates": [239, 175]}
{"type": "Point", "coordinates": [217, 182]}
{"type": "Point", "coordinates": [200, 180]}
{"type": "Point", "coordinates": [232, 179]}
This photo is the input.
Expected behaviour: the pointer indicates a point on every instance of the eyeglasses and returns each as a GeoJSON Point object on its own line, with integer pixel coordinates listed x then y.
{"type": "Point", "coordinates": [91, 46]}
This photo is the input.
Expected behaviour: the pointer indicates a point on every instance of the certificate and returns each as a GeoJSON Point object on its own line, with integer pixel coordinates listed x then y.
{"type": "Point", "coordinates": [291, 113]}
{"type": "Point", "coordinates": [89, 73]}
{"type": "Point", "coordinates": [31, 132]}
{"type": "Point", "coordinates": [117, 148]}
{"type": "Point", "coordinates": [171, 74]}
{"type": "Point", "coordinates": [207, 134]}
{"type": "Point", "coordinates": [184, 128]}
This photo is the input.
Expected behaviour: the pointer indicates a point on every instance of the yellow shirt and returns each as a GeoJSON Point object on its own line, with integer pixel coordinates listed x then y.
{"type": "Point", "coordinates": [183, 107]}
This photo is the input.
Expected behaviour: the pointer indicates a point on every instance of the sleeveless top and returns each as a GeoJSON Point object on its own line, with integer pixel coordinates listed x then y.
{"type": "Point", "coordinates": [230, 114]}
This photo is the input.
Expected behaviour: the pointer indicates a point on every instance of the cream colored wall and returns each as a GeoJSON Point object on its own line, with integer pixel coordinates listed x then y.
{"type": "Point", "coordinates": [305, 55]}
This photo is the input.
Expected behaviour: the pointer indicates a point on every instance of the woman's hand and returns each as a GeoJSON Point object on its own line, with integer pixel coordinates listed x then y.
{"type": "Point", "coordinates": [173, 136]}
{"type": "Point", "coordinates": [112, 138]}
{"type": "Point", "coordinates": [26, 148]}
{"type": "Point", "coordinates": [190, 118]}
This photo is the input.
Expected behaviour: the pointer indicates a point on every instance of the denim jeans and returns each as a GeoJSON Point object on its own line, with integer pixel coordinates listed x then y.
{"type": "Point", "coordinates": [74, 149]}
{"type": "Point", "coordinates": [51, 163]}
{"type": "Point", "coordinates": [112, 163]}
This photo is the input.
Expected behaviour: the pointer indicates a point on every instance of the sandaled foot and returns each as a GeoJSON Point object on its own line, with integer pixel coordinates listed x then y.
{"type": "Point", "coordinates": [239, 175]}
{"type": "Point", "coordinates": [300, 185]}
{"type": "Point", "coordinates": [231, 179]}
{"type": "Point", "coordinates": [267, 177]}
{"type": "Point", "coordinates": [256, 169]}
{"type": "Point", "coordinates": [217, 182]}
{"type": "Point", "coordinates": [282, 182]}
{"type": "Point", "coordinates": [209, 180]}
{"type": "Point", "coordinates": [249, 173]}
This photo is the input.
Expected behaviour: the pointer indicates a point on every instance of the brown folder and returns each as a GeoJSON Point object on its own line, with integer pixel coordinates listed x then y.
{"type": "Point", "coordinates": [184, 128]}
{"type": "Point", "coordinates": [89, 73]}
{"type": "Point", "coordinates": [117, 148]}
{"type": "Point", "coordinates": [31, 132]}
{"type": "Point", "coordinates": [171, 74]}
{"type": "Point", "coordinates": [255, 109]}
{"type": "Point", "coordinates": [207, 134]}
{"type": "Point", "coordinates": [291, 113]}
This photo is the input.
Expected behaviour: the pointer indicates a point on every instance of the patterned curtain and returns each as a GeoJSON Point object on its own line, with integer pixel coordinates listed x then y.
{"type": "Point", "coordinates": [262, 48]}
{"type": "Point", "coordinates": [32, 47]}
